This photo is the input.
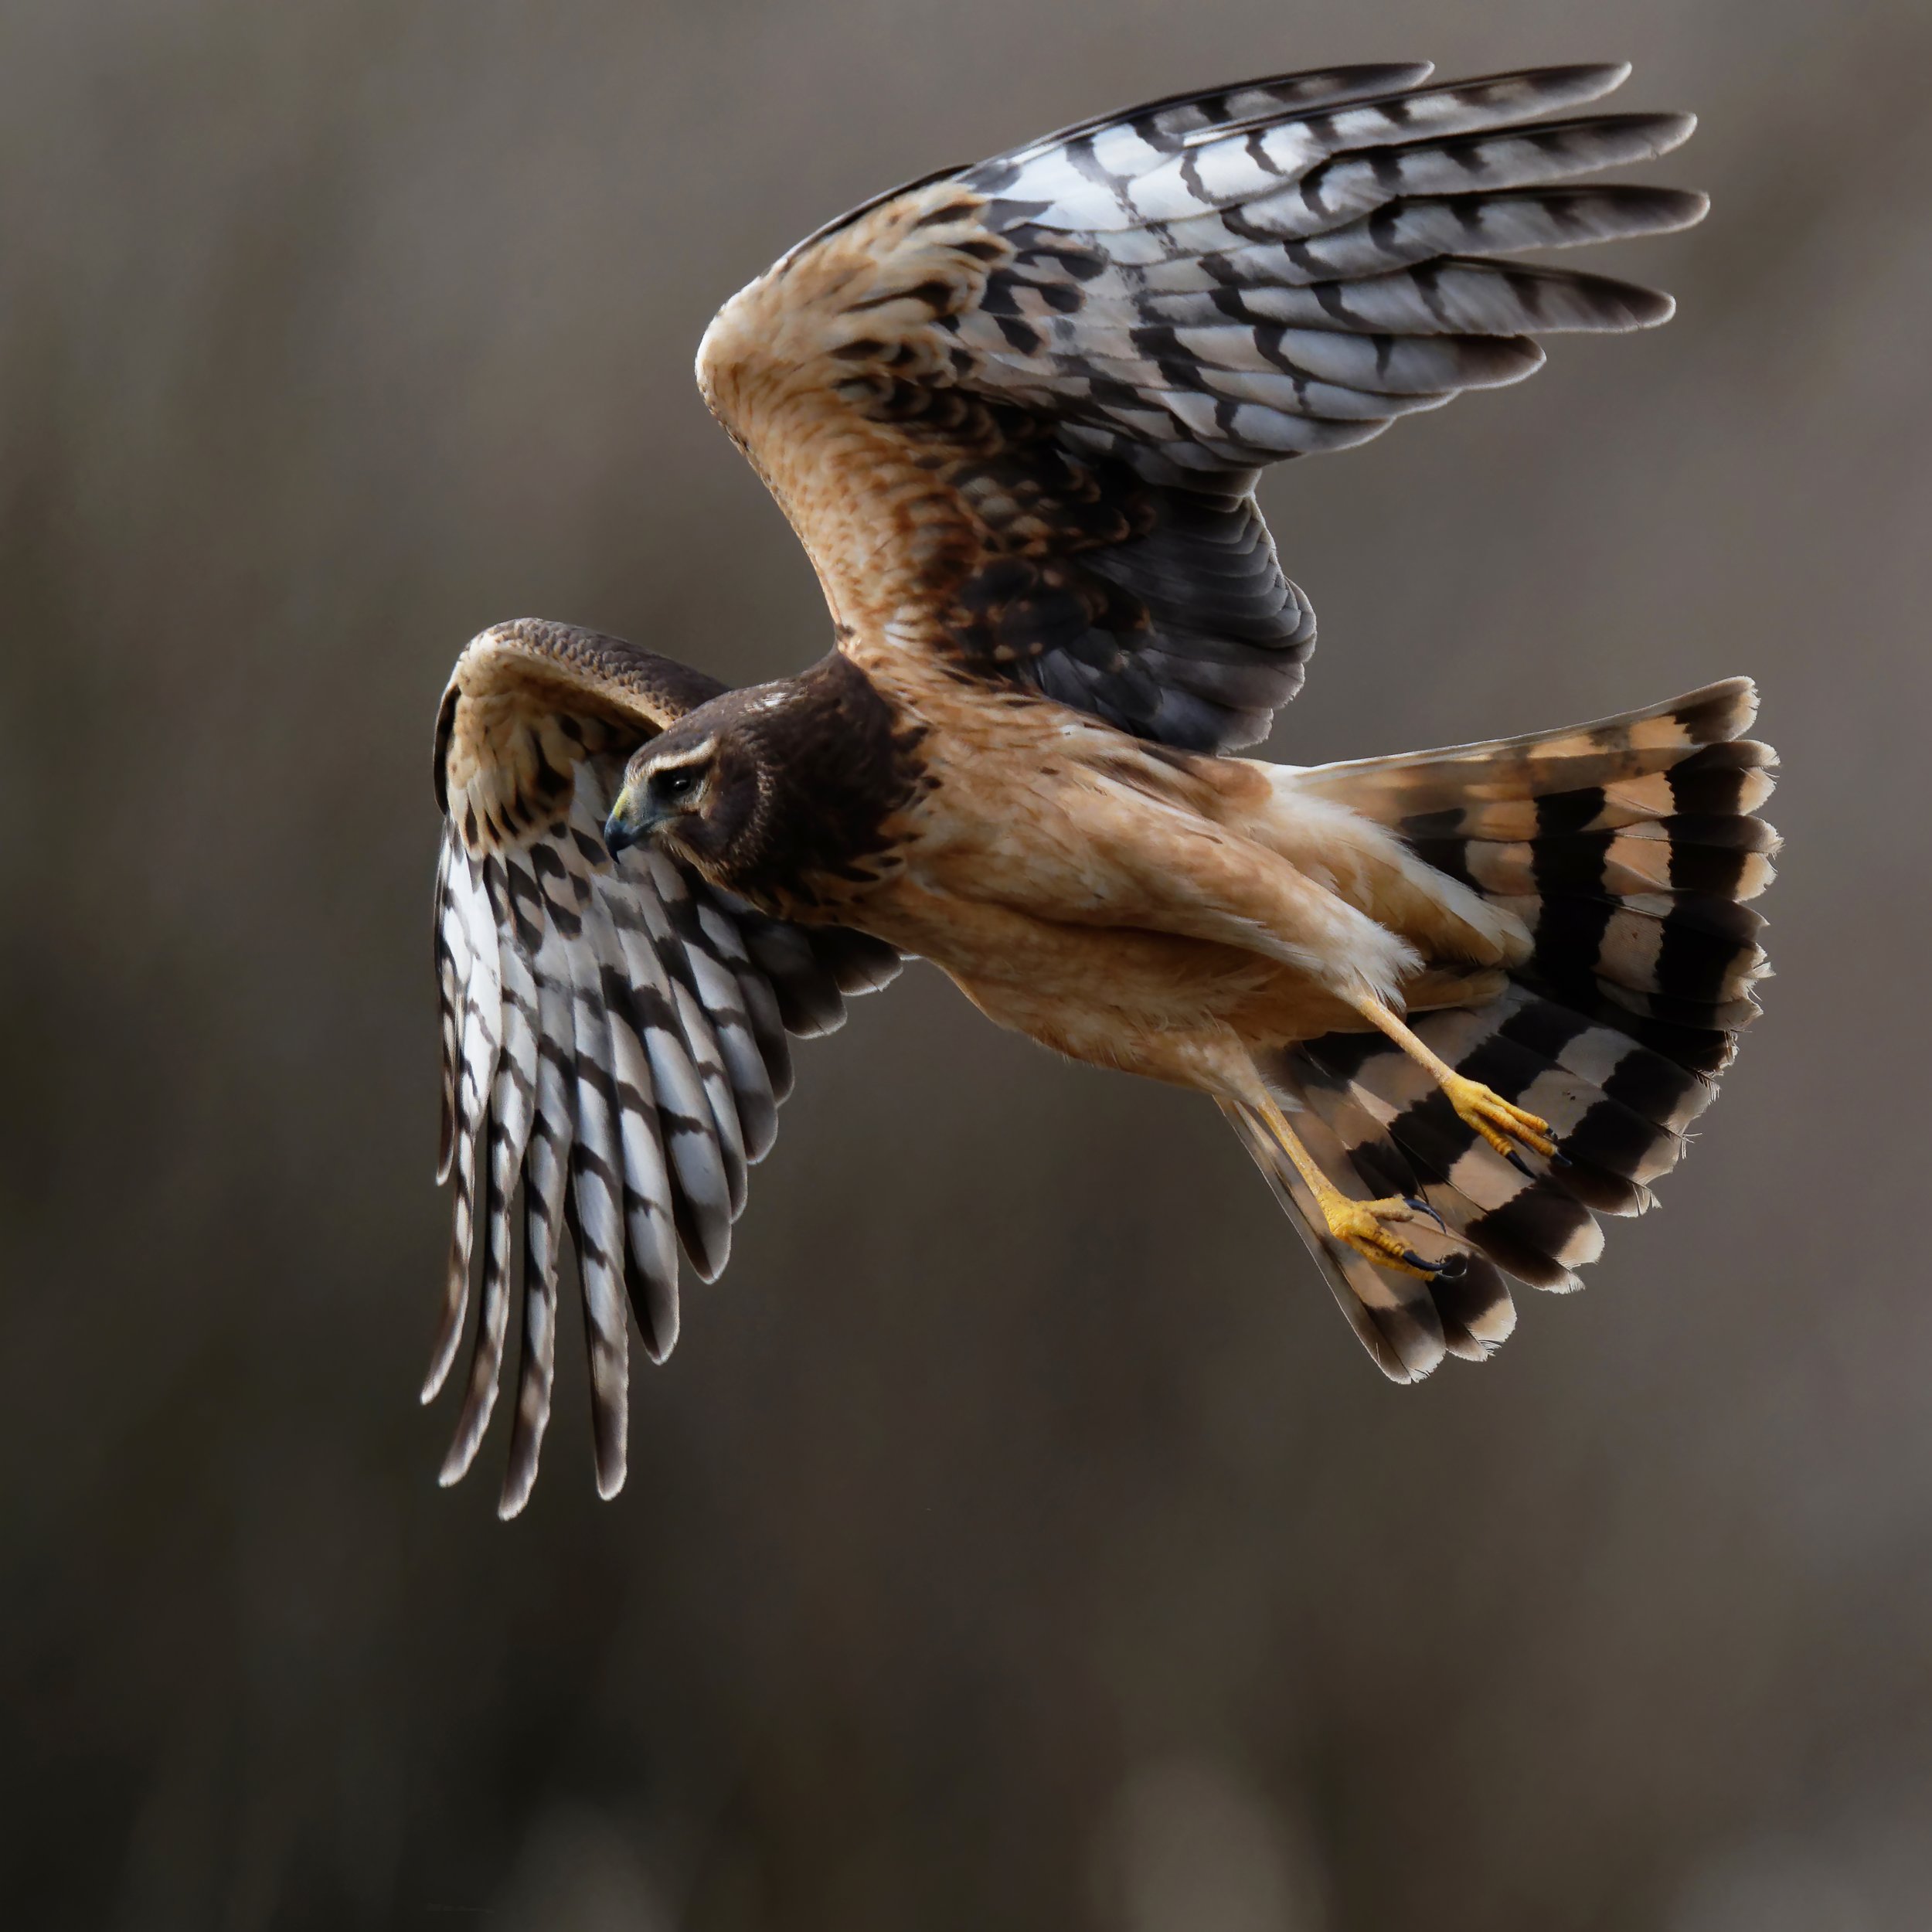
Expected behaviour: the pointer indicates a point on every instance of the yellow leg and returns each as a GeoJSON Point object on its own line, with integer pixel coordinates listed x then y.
{"type": "Point", "coordinates": [1499, 1121]}
{"type": "Point", "coordinates": [1363, 1225]}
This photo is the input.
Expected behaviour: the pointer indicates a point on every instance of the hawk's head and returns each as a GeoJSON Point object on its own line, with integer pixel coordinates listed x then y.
{"type": "Point", "coordinates": [704, 786]}
{"type": "Point", "coordinates": [769, 790]}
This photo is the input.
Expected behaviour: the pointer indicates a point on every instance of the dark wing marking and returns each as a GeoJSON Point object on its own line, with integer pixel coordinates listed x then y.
{"type": "Point", "coordinates": [613, 1035]}
{"type": "Point", "coordinates": [1016, 412]}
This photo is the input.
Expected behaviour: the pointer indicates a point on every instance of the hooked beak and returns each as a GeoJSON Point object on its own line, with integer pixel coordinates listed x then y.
{"type": "Point", "coordinates": [632, 821]}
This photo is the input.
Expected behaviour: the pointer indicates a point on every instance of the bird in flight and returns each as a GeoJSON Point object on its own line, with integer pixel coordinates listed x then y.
{"type": "Point", "coordinates": [1456, 1004]}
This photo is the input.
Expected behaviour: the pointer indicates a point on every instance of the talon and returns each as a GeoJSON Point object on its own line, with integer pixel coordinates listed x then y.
{"type": "Point", "coordinates": [1498, 1120]}
{"type": "Point", "coordinates": [1362, 1225]}
{"type": "Point", "coordinates": [1422, 1207]}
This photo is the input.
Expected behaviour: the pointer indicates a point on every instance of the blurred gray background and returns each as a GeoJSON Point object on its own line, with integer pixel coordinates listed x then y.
{"type": "Point", "coordinates": [1018, 1538]}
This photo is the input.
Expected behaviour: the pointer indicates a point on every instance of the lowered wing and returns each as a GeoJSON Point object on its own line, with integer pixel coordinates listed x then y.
{"type": "Point", "coordinates": [614, 1034]}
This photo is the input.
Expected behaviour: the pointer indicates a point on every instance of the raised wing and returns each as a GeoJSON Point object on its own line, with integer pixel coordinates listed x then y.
{"type": "Point", "coordinates": [614, 1034]}
{"type": "Point", "coordinates": [1016, 412]}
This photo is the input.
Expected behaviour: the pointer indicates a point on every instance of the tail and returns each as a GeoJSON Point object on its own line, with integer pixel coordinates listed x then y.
{"type": "Point", "coordinates": [1629, 848]}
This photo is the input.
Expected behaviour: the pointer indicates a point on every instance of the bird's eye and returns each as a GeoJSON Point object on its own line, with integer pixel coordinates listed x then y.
{"type": "Point", "coordinates": [678, 784]}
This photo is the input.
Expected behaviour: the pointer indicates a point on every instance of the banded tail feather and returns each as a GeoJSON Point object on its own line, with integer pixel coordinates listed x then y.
{"type": "Point", "coordinates": [1407, 1325]}
{"type": "Point", "coordinates": [1629, 850]}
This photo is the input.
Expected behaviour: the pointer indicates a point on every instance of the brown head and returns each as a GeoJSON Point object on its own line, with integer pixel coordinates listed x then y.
{"type": "Point", "coordinates": [763, 789]}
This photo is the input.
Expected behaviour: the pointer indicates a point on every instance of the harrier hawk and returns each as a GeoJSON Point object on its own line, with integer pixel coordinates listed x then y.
{"type": "Point", "coordinates": [1455, 1002]}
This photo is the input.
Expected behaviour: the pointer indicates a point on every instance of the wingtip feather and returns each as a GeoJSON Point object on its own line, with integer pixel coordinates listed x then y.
{"type": "Point", "coordinates": [442, 1354]}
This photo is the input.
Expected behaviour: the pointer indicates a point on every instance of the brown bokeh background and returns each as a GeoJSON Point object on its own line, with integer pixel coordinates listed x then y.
{"type": "Point", "coordinates": [1018, 1538]}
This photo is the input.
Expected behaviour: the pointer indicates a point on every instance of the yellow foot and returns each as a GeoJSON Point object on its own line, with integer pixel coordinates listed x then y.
{"type": "Point", "coordinates": [1496, 1121]}
{"type": "Point", "coordinates": [1364, 1225]}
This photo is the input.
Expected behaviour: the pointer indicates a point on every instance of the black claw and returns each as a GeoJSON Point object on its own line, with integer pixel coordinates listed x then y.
{"type": "Point", "coordinates": [1521, 1166]}
{"type": "Point", "coordinates": [1453, 1267]}
{"type": "Point", "coordinates": [1416, 1261]}
{"type": "Point", "coordinates": [1422, 1207]}
{"type": "Point", "coordinates": [1560, 1158]}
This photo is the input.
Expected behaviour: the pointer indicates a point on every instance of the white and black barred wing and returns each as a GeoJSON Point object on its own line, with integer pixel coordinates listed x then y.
{"type": "Point", "coordinates": [1080, 353]}
{"type": "Point", "coordinates": [614, 1037]}
{"type": "Point", "coordinates": [1245, 276]}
